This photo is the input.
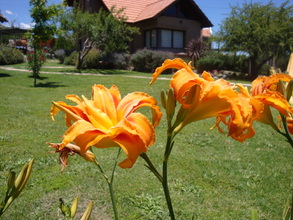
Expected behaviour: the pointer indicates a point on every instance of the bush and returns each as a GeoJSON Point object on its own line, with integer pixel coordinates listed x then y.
{"type": "Point", "coordinates": [121, 61]}
{"type": "Point", "coordinates": [208, 64]}
{"type": "Point", "coordinates": [60, 55]}
{"type": "Point", "coordinates": [9, 55]}
{"type": "Point", "coordinates": [71, 59]}
{"type": "Point", "coordinates": [222, 61]}
{"type": "Point", "coordinates": [91, 60]}
{"type": "Point", "coordinates": [147, 60]}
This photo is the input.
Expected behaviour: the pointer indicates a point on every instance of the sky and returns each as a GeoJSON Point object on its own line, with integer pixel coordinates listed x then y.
{"type": "Point", "coordinates": [17, 11]}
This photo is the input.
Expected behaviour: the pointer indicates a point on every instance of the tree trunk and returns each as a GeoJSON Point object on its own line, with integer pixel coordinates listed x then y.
{"type": "Point", "coordinates": [35, 66]}
{"type": "Point", "coordinates": [253, 68]}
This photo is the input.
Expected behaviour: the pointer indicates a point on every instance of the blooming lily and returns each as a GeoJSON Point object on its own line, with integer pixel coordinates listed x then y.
{"type": "Point", "coordinates": [265, 89]}
{"type": "Point", "coordinates": [203, 97]}
{"type": "Point", "coordinates": [107, 120]}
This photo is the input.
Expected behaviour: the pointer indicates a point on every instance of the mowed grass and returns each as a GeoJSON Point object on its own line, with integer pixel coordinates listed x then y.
{"type": "Point", "coordinates": [211, 175]}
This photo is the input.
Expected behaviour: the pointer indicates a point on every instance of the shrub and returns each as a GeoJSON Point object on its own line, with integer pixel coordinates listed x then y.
{"type": "Point", "coordinates": [147, 60]}
{"type": "Point", "coordinates": [9, 55]}
{"type": "Point", "coordinates": [91, 60]}
{"type": "Point", "coordinates": [71, 59]}
{"type": "Point", "coordinates": [222, 61]}
{"type": "Point", "coordinates": [208, 64]}
{"type": "Point", "coordinates": [121, 61]}
{"type": "Point", "coordinates": [60, 55]}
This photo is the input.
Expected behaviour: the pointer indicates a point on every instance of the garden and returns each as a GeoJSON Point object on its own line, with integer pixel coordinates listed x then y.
{"type": "Point", "coordinates": [210, 175]}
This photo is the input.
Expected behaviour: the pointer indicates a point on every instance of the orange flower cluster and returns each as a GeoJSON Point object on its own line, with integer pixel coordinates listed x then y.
{"type": "Point", "coordinates": [203, 97]}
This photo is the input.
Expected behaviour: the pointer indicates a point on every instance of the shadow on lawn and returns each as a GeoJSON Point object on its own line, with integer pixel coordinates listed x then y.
{"type": "Point", "coordinates": [5, 75]}
{"type": "Point", "coordinates": [39, 77]}
{"type": "Point", "coordinates": [50, 85]}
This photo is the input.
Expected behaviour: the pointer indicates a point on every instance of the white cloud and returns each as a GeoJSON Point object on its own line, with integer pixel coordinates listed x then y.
{"type": "Point", "coordinates": [25, 26]}
{"type": "Point", "coordinates": [9, 12]}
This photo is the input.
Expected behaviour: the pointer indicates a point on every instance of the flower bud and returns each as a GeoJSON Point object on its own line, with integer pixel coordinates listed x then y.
{"type": "Point", "coordinates": [163, 98]}
{"type": "Point", "coordinates": [289, 89]}
{"type": "Point", "coordinates": [74, 207]}
{"type": "Point", "coordinates": [170, 105]}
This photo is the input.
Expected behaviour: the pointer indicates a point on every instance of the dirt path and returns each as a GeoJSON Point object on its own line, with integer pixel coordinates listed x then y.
{"type": "Point", "coordinates": [85, 74]}
{"type": "Point", "coordinates": [88, 74]}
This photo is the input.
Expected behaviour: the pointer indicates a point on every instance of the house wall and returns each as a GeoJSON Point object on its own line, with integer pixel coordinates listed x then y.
{"type": "Point", "coordinates": [191, 28]}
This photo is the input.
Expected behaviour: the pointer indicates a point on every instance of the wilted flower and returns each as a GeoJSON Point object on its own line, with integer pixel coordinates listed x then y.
{"type": "Point", "coordinates": [70, 150]}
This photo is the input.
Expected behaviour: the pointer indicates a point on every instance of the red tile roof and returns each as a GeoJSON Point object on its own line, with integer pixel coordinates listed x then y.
{"type": "Point", "coordinates": [139, 10]}
{"type": "Point", "coordinates": [206, 32]}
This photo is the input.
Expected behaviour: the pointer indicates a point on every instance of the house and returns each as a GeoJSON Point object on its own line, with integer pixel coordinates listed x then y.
{"type": "Point", "coordinates": [164, 24]}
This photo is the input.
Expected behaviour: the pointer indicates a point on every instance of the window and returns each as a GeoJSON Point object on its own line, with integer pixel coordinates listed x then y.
{"type": "Point", "coordinates": [164, 38]}
{"type": "Point", "coordinates": [178, 39]}
{"type": "Point", "coordinates": [151, 38]}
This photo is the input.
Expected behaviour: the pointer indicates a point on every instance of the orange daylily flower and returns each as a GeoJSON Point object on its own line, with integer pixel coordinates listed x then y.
{"type": "Point", "coordinates": [264, 89]}
{"type": "Point", "coordinates": [107, 120]}
{"type": "Point", "coordinates": [203, 97]}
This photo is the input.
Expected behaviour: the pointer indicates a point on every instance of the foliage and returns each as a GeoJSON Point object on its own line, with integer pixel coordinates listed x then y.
{"type": "Point", "coordinates": [222, 61]}
{"type": "Point", "coordinates": [262, 31]}
{"type": "Point", "coordinates": [9, 55]}
{"type": "Point", "coordinates": [71, 59]}
{"type": "Point", "coordinates": [106, 31]}
{"type": "Point", "coordinates": [15, 185]}
{"type": "Point", "coordinates": [121, 61]}
{"type": "Point", "coordinates": [147, 60]}
{"type": "Point", "coordinates": [209, 64]}
{"type": "Point", "coordinates": [195, 49]}
{"type": "Point", "coordinates": [35, 61]}
{"type": "Point", "coordinates": [60, 55]}
{"type": "Point", "coordinates": [43, 30]}
{"type": "Point", "coordinates": [92, 60]}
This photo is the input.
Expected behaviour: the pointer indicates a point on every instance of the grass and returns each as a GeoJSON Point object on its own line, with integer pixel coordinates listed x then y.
{"type": "Point", "coordinates": [211, 175]}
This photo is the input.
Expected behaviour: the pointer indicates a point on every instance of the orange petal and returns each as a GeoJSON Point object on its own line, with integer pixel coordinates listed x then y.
{"type": "Point", "coordinates": [96, 116]}
{"type": "Point", "coordinates": [134, 101]}
{"type": "Point", "coordinates": [276, 100]}
{"type": "Point", "coordinates": [80, 127]}
{"type": "Point", "coordinates": [143, 126]}
{"type": "Point", "coordinates": [130, 141]}
{"type": "Point", "coordinates": [103, 100]}
{"type": "Point", "coordinates": [176, 63]}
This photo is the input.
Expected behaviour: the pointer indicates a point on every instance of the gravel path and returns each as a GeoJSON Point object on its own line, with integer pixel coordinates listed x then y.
{"type": "Point", "coordinates": [87, 74]}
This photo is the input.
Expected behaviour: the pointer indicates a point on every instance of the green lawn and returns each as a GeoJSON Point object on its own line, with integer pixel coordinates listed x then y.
{"type": "Point", "coordinates": [211, 176]}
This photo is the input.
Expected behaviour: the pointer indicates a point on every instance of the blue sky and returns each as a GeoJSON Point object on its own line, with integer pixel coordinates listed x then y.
{"type": "Point", "coordinates": [17, 11]}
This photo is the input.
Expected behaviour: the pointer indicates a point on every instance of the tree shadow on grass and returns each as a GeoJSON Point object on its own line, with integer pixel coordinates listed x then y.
{"type": "Point", "coordinates": [50, 85]}
{"type": "Point", "coordinates": [5, 75]}
{"type": "Point", "coordinates": [39, 77]}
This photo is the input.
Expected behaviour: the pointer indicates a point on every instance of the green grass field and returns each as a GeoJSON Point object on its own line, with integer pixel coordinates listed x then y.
{"type": "Point", "coordinates": [211, 176]}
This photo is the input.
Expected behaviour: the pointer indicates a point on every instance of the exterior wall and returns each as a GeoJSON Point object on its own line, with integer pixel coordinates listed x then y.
{"type": "Point", "coordinates": [191, 28]}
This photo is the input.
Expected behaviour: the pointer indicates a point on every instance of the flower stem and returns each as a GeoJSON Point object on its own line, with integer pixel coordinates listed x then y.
{"type": "Point", "coordinates": [169, 146]}
{"type": "Point", "coordinates": [287, 134]}
{"type": "Point", "coordinates": [151, 166]}
{"type": "Point", "coordinates": [110, 183]}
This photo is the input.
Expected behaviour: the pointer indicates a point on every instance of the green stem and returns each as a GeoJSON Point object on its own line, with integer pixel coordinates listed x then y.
{"type": "Point", "coordinates": [110, 183]}
{"type": "Point", "coordinates": [169, 146]}
{"type": "Point", "coordinates": [151, 166]}
{"type": "Point", "coordinates": [287, 134]}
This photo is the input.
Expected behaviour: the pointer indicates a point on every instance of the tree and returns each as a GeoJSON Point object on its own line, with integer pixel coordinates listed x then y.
{"type": "Point", "coordinates": [43, 30]}
{"type": "Point", "coordinates": [195, 50]}
{"type": "Point", "coordinates": [106, 31]}
{"type": "Point", "coordinates": [262, 31]}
